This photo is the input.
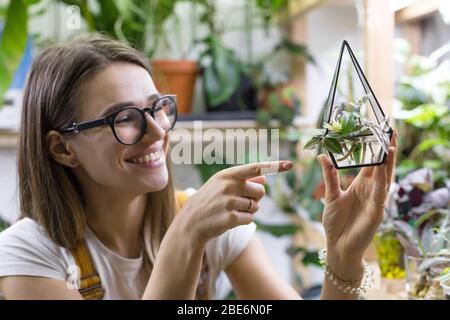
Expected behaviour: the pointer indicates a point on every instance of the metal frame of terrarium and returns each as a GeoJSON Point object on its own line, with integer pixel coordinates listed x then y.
{"type": "Point", "coordinates": [377, 110]}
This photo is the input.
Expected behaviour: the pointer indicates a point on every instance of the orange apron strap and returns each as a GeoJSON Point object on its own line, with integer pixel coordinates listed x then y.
{"type": "Point", "coordinates": [202, 287]}
{"type": "Point", "coordinates": [90, 283]}
{"type": "Point", "coordinates": [180, 199]}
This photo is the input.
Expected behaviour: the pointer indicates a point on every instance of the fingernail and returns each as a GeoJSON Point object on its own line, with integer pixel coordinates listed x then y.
{"type": "Point", "coordinates": [288, 165]}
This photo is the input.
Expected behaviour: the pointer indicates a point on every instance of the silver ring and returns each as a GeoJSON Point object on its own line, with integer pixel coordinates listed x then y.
{"type": "Point", "coordinates": [378, 205]}
{"type": "Point", "coordinates": [250, 204]}
{"type": "Point", "coordinates": [385, 188]}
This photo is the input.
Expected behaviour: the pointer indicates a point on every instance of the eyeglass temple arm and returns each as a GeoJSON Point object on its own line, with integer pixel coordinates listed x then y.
{"type": "Point", "coordinates": [77, 127]}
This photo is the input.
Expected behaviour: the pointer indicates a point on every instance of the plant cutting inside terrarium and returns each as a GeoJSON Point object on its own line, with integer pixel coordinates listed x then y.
{"type": "Point", "coordinates": [355, 131]}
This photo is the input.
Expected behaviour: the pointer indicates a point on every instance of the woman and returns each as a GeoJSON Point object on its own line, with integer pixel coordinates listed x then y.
{"type": "Point", "coordinates": [94, 168]}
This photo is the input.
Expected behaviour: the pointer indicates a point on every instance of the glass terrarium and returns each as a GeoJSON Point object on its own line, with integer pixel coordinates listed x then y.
{"type": "Point", "coordinates": [355, 131]}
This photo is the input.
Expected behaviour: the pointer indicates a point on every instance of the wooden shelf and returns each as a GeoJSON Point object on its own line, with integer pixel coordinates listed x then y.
{"type": "Point", "coordinates": [416, 11]}
{"type": "Point", "coordinates": [9, 139]}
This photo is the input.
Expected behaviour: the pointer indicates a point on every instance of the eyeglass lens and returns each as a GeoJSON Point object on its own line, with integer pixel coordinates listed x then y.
{"type": "Point", "coordinates": [129, 124]}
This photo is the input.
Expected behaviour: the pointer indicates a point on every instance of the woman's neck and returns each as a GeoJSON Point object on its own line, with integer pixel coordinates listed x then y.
{"type": "Point", "coordinates": [116, 220]}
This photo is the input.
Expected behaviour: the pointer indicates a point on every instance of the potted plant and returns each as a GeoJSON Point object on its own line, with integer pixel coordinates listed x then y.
{"type": "Point", "coordinates": [13, 42]}
{"type": "Point", "coordinates": [279, 102]}
{"type": "Point", "coordinates": [277, 99]}
{"type": "Point", "coordinates": [141, 23]}
{"type": "Point", "coordinates": [417, 223]}
{"type": "Point", "coordinates": [423, 117]}
{"type": "Point", "coordinates": [227, 85]}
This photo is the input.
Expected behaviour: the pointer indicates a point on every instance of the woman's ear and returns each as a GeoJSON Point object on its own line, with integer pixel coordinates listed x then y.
{"type": "Point", "coordinates": [60, 150]}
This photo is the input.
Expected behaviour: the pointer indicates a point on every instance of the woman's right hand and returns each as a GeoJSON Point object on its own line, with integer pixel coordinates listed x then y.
{"type": "Point", "coordinates": [223, 202]}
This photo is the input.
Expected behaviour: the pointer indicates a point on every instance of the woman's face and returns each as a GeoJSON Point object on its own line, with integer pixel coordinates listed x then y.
{"type": "Point", "coordinates": [138, 168]}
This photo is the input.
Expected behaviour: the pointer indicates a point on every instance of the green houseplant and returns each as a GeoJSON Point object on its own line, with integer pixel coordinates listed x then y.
{"type": "Point", "coordinates": [139, 23]}
{"type": "Point", "coordinates": [231, 82]}
{"type": "Point", "coordinates": [423, 113]}
{"type": "Point", "coordinates": [414, 237]}
{"type": "Point", "coordinates": [226, 82]}
{"type": "Point", "coordinates": [13, 41]}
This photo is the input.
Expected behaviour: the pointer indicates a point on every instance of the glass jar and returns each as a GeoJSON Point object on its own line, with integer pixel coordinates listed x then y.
{"type": "Point", "coordinates": [446, 287]}
{"type": "Point", "coordinates": [390, 255]}
{"type": "Point", "coordinates": [420, 283]}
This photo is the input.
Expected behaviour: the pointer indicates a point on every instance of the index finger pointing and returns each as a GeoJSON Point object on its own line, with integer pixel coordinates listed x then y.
{"type": "Point", "coordinates": [255, 169]}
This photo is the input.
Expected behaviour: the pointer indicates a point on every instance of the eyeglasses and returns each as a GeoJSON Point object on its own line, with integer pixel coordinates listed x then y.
{"type": "Point", "coordinates": [129, 124]}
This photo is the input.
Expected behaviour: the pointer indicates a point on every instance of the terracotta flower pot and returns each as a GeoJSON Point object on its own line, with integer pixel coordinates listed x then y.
{"type": "Point", "coordinates": [176, 77]}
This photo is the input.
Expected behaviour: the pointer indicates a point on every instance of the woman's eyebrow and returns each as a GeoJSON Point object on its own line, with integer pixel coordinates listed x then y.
{"type": "Point", "coordinates": [120, 105]}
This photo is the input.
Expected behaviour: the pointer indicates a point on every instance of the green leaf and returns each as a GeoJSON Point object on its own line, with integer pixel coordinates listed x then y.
{"type": "Point", "coordinates": [430, 143]}
{"type": "Point", "coordinates": [357, 153]}
{"type": "Point", "coordinates": [364, 98]}
{"type": "Point", "coordinates": [31, 2]}
{"type": "Point", "coordinates": [3, 225]}
{"type": "Point", "coordinates": [285, 114]}
{"type": "Point", "coordinates": [310, 257]}
{"type": "Point", "coordinates": [312, 143]}
{"type": "Point", "coordinates": [13, 43]}
{"type": "Point", "coordinates": [208, 170]}
{"type": "Point", "coordinates": [222, 76]}
{"type": "Point", "coordinates": [274, 102]}
{"type": "Point", "coordinates": [297, 49]}
{"type": "Point", "coordinates": [277, 230]}
{"type": "Point", "coordinates": [332, 145]}
{"type": "Point", "coordinates": [348, 123]}
{"type": "Point", "coordinates": [310, 181]}
{"type": "Point", "coordinates": [315, 209]}
{"type": "Point", "coordinates": [263, 118]}
{"type": "Point", "coordinates": [108, 16]}
{"type": "Point", "coordinates": [424, 116]}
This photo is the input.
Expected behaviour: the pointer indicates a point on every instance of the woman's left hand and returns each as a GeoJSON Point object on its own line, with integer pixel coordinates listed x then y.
{"type": "Point", "coordinates": [351, 217]}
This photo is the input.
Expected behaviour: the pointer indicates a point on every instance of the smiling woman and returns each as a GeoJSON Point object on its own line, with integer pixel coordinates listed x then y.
{"type": "Point", "coordinates": [105, 194]}
{"type": "Point", "coordinates": [99, 209]}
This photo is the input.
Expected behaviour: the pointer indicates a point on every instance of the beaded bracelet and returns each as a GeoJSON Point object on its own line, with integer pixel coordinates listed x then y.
{"type": "Point", "coordinates": [348, 286]}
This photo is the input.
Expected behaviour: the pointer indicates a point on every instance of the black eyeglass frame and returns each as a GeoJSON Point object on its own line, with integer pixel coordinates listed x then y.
{"type": "Point", "coordinates": [109, 120]}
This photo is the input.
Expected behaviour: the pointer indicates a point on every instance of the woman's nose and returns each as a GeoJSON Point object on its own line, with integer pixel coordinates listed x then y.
{"type": "Point", "coordinates": [154, 131]}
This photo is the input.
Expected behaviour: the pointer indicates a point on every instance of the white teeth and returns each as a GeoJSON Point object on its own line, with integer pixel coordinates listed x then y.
{"type": "Point", "coordinates": [147, 158]}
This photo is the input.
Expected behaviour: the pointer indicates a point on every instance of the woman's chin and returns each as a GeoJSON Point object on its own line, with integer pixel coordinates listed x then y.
{"type": "Point", "coordinates": [157, 183]}
{"type": "Point", "coordinates": [150, 177]}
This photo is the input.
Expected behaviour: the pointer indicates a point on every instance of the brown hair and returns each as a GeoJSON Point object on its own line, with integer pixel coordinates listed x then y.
{"type": "Point", "coordinates": [49, 192]}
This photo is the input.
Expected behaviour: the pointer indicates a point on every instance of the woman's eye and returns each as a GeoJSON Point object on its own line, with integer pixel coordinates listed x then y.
{"type": "Point", "coordinates": [123, 119]}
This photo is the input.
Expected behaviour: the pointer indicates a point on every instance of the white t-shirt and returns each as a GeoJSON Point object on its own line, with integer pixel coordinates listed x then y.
{"type": "Point", "coordinates": [26, 249]}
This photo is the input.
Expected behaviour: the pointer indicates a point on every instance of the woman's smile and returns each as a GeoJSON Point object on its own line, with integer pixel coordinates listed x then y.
{"type": "Point", "coordinates": [151, 157]}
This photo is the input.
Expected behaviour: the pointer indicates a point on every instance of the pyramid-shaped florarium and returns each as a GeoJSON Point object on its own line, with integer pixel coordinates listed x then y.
{"type": "Point", "coordinates": [355, 132]}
